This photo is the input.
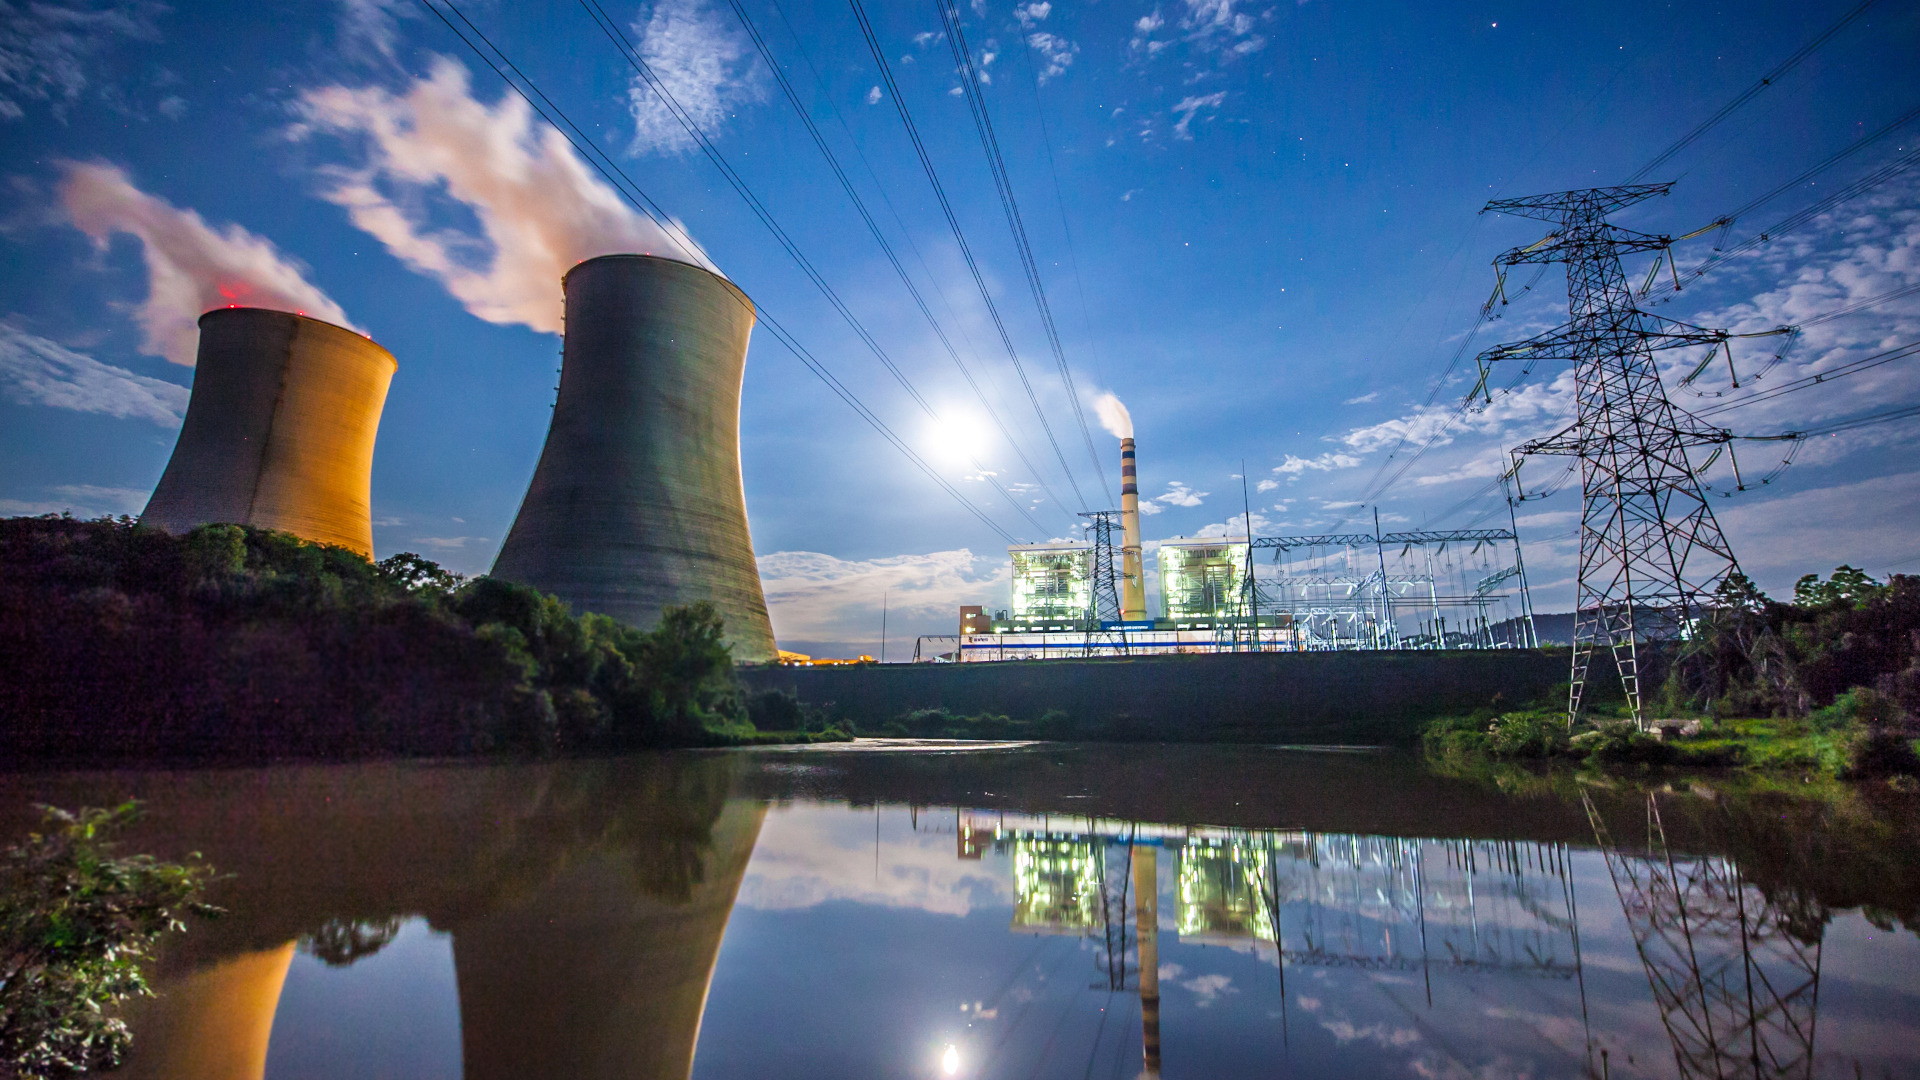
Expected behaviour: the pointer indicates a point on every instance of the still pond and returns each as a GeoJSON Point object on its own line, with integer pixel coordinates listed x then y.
{"type": "Point", "coordinates": [902, 910]}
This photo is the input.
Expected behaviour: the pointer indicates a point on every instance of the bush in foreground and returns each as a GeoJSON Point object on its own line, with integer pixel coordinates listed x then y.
{"type": "Point", "coordinates": [76, 923]}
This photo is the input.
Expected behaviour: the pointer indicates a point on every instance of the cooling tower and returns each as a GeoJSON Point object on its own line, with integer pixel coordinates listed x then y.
{"type": "Point", "coordinates": [636, 504]}
{"type": "Point", "coordinates": [279, 431]}
{"type": "Point", "coordinates": [1133, 592]}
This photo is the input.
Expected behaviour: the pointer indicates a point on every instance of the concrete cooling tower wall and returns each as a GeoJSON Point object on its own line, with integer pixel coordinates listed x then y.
{"type": "Point", "coordinates": [636, 504]}
{"type": "Point", "coordinates": [279, 431]}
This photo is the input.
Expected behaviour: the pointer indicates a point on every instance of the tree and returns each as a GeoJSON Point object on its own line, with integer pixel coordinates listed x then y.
{"type": "Point", "coordinates": [75, 925]}
{"type": "Point", "coordinates": [1847, 586]}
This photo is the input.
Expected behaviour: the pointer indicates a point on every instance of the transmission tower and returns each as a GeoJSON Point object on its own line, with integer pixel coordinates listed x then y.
{"type": "Point", "coordinates": [1103, 599]}
{"type": "Point", "coordinates": [1651, 553]}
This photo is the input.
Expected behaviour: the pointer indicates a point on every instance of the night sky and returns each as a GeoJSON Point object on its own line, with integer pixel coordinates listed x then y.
{"type": "Point", "coordinates": [1255, 224]}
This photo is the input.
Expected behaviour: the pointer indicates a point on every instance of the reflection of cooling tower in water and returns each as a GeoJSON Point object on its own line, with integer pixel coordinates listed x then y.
{"type": "Point", "coordinates": [279, 431]}
{"type": "Point", "coordinates": [636, 504]}
{"type": "Point", "coordinates": [603, 974]}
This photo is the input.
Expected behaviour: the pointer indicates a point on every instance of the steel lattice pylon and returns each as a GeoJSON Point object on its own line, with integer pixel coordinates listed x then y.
{"type": "Point", "coordinates": [1103, 606]}
{"type": "Point", "coordinates": [1651, 553]}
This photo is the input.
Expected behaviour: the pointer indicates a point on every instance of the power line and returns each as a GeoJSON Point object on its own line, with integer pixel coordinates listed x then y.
{"type": "Point", "coordinates": [1010, 206]}
{"type": "Point", "coordinates": [637, 196]}
{"type": "Point", "coordinates": [960, 238]}
{"type": "Point", "coordinates": [712, 152]}
{"type": "Point", "coordinates": [1859, 187]}
{"type": "Point", "coordinates": [1751, 92]}
{"type": "Point", "coordinates": [880, 238]}
{"type": "Point", "coordinates": [1862, 421]}
{"type": "Point", "coordinates": [1865, 363]}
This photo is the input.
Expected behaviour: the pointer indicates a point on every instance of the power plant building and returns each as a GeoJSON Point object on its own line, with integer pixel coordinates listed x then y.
{"type": "Point", "coordinates": [279, 430]}
{"type": "Point", "coordinates": [1052, 585]}
{"type": "Point", "coordinates": [1202, 579]}
{"type": "Point", "coordinates": [636, 504]}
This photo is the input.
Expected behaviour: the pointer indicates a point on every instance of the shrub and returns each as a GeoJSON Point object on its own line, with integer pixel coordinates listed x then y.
{"type": "Point", "coordinates": [1871, 751]}
{"type": "Point", "coordinates": [76, 924]}
{"type": "Point", "coordinates": [1527, 735]}
{"type": "Point", "coordinates": [1623, 744]}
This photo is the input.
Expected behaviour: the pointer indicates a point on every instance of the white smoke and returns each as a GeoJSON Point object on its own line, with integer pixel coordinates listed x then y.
{"type": "Point", "coordinates": [1114, 416]}
{"type": "Point", "coordinates": [192, 268]}
{"type": "Point", "coordinates": [541, 208]}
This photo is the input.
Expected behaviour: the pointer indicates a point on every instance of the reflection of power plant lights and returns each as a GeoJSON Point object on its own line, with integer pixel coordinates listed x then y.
{"type": "Point", "coordinates": [950, 1061]}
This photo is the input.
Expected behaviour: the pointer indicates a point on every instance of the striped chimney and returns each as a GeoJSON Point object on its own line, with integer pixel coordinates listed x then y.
{"type": "Point", "coordinates": [1133, 591]}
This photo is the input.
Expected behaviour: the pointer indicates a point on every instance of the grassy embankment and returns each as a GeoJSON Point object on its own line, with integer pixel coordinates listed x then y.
{"type": "Point", "coordinates": [127, 644]}
{"type": "Point", "coordinates": [1828, 684]}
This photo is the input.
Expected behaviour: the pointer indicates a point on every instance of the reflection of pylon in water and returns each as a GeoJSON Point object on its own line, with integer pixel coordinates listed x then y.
{"type": "Point", "coordinates": [1736, 975]}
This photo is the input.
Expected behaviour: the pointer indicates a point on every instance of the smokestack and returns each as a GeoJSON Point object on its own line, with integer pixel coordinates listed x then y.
{"type": "Point", "coordinates": [636, 504]}
{"type": "Point", "coordinates": [279, 431]}
{"type": "Point", "coordinates": [1133, 593]}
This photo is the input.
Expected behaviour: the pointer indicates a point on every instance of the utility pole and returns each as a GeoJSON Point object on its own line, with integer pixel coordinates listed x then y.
{"type": "Point", "coordinates": [1651, 553]}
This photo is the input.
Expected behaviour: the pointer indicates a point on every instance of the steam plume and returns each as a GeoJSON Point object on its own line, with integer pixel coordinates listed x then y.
{"type": "Point", "coordinates": [1114, 416]}
{"type": "Point", "coordinates": [192, 268]}
{"type": "Point", "coordinates": [540, 207]}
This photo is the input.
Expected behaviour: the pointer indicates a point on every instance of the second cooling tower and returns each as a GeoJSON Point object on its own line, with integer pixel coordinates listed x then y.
{"type": "Point", "coordinates": [637, 504]}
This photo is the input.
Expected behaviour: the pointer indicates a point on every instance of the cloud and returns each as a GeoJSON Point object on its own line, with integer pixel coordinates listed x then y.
{"type": "Point", "coordinates": [1212, 24]}
{"type": "Point", "coordinates": [81, 500]}
{"type": "Point", "coordinates": [1344, 1032]}
{"type": "Point", "coordinates": [540, 208]}
{"type": "Point", "coordinates": [873, 96]}
{"type": "Point", "coordinates": [1868, 524]}
{"type": "Point", "coordinates": [1114, 416]}
{"type": "Point", "coordinates": [1189, 106]}
{"type": "Point", "coordinates": [369, 28]}
{"type": "Point", "coordinates": [1239, 526]}
{"type": "Point", "coordinates": [812, 854]}
{"type": "Point", "coordinates": [1362, 399]}
{"type": "Point", "coordinates": [1327, 462]}
{"type": "Point", "coordinates": [449, 543]}
{"type": "Point", "coordinates": [1179, 494]}
{"type": "Point", "coordinates": [1266, 485]}
{"type": "Point", "coordinates": [1031, 13]}
{"type": "Point", "coordinates": [1056, 53]}
{"type": "Point", "coordinates": [1489, 462]}
{"type": "Point", "coordinates": [35, 371]}
{"type": "Point", "coordinates": [1209, 988]}
{"type": "Point", "coordinates": [703, 63]}
{"type": "Point", "coordinates": [819, 598]}
{"type": "Point", "coordinates": [1149, 507]}
{"type": "Point", "coordinates": [192, 268]}
{"type": "Point", "coordinates": [1127, 195]}
{"type": "Point", "coordinates": [47, 47]}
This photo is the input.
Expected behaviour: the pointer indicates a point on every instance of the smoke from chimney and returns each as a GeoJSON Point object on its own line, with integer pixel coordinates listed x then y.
{"type": "Point", "coordinates": [541, 208]}
{"type": "Point", "coordinates": [192, 268]}
{"type": "Point", "coordinates": [1114, 416]}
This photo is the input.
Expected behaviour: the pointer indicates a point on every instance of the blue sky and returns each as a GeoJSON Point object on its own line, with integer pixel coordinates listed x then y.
{"type": "Point", "coordinates": [1255, 224]}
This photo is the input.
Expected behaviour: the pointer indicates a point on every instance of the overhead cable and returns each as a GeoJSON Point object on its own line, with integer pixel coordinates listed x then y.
{"type": "Point", "coordinates": [1010, 206]}
{"type": "Point", "coordinates": [1751, 92]}
{"type": "Point", "coordinates": [960, 238]}
{"type": "Point", "coordinates": [1865, 363]}
{"type": "Point", "coordinates": [638, 198]}
{"type": "Point", "coordinates": [1859, 187]}
{"type": "Point", "coordinates": [644, 70]}
{"type": "Point", "coordinates": [886, 247]}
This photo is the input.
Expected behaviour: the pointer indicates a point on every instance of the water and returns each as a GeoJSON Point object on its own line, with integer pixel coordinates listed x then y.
{"type": "Point", "coordinates": [930, 912]}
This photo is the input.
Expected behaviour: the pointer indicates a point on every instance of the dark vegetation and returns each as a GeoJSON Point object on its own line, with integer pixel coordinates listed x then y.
{"type": "Point", "coordinates": [1828, 683]}
{"type": "Point", "coordinates": [232, 643]}
{"type": "Point", "coordinates": [76, 925]}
